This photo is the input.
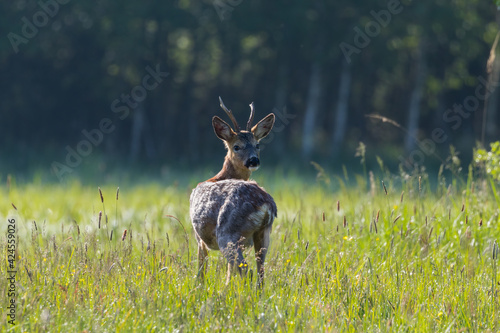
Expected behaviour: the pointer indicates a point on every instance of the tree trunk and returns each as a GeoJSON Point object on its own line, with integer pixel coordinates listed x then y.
{"type": "Point", "coordinates": [312, 106]}
{"type": "Point", "coordinates": [149, 142]}
{"type": "Point", "coordinates": [416, 97]}
{"type": "Point", "coordinates": [491, 128]}
{"type": "Point", "coordinates": [141, 134]}
{"type": "Point", "coordinates": [137, 129]}
{"type": "Point", "coordinates": [341, 108]}
{"type": "Point", "coordinates": [279, 142]}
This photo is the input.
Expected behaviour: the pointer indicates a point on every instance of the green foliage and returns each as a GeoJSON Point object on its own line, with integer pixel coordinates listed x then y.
{"type": "Point", "coordinates": [361, 153]}
{"type": "Point", "coordinates": [350, 260]}
{"type": "Point", "coordinates": [452, 162]}
{"type": "Point", "coordinates": [489, 161]}
{"type": "Point", "coordinates": [321, 175]}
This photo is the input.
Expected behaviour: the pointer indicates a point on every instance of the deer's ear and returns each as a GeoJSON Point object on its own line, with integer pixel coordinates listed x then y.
{"type": "Point", "coordinates": [263, 127]}
{"type": "Point", "coordinates": [222, 129]}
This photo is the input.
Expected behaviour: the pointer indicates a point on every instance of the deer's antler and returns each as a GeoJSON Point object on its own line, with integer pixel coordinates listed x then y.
{"type": "Point", "coordinates": [230, 114]}
{"type": "Point", "coordinates": [252, 113]}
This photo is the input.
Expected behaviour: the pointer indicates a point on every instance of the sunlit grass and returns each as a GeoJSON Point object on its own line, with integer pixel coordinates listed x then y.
{"type": "Point", "coordinates": [346, 258]}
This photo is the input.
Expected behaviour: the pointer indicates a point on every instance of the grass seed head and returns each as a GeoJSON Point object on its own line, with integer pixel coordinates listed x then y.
{"type": "Point", "coordinates": [117, 192]}
{"type": "Point", "coordinates": [385, 189]}
{"type": "Point", "coordinates": [100, 193]}
{"type": "Point", "coordinates": [14, 206]}
{"type": "Point", "coordinates": [99, 223]}
{"type": "Point", "coordinates": [124, 234]}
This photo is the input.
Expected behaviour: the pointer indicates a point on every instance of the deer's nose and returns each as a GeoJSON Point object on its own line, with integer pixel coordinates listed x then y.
{"type": "Point", "coordinates": [252, 162]}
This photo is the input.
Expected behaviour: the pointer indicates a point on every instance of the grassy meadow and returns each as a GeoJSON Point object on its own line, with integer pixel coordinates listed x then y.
{"type": "Point", "coordinates": [348, 253]}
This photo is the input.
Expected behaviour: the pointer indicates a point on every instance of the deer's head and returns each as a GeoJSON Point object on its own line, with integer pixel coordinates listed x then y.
{"type": "Point", "coordinates": [242, 145]}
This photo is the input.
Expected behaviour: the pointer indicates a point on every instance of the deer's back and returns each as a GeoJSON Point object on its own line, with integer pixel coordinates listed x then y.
{"type": "Point", "coordinates": [230, 207]}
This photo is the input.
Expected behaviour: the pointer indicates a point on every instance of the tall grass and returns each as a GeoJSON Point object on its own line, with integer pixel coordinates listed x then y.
{"type": "Point", "coordinates": [392, 256]}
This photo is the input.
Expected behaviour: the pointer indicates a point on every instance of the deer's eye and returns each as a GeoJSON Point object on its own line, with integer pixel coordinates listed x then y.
{"type": "Point", "coordinates": [236, 148]}
{"type": "Point", "coordinates": [257, 146]}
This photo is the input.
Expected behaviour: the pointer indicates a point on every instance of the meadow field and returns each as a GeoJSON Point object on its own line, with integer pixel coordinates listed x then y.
{"type": "Point", "coordinates": [349, 253]}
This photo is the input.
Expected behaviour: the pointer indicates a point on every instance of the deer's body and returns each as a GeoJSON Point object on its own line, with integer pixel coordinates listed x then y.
{"type": "Point", "coordinates": [228, 212]}
{"type": "Point", "coordinates": [231, 211]}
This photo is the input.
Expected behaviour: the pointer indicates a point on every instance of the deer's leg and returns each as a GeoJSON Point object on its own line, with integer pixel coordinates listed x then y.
{"type": "Point", "coordinates": [202, 256]}
{"type": "Point", "coordinates": [232, 251]}
{"type": "Point", "coordinates": [261, 241]}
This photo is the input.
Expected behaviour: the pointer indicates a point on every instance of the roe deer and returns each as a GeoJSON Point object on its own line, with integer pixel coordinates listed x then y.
{"type": "Point", "coordinates": [229, 212]}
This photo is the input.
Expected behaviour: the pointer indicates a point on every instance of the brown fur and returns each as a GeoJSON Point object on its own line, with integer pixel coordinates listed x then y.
{"type": "Point", "coordinates": [229, 212]}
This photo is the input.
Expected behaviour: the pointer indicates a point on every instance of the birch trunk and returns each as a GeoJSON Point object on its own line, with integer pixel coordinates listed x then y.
{"type": "Point", "coordinates": [492, 102]}
{"type": "Point", "coordinates": [279, 145]}
{"type": "Point", "coordinates": [312, 106]}
{"type": "Point", "coordinates": [341, 110]}
{"type": "Point", "coordinates": [415, 99]}
{"type": "Point", "coordinates": [137, 129]}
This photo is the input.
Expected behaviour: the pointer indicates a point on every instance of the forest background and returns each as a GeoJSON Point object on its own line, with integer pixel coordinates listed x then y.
{"type": "Point", "coordinates": [89, 87]}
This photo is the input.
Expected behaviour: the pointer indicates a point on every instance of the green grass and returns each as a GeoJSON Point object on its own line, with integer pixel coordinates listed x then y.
{"type": "Point", "coordinates": [420, 261]}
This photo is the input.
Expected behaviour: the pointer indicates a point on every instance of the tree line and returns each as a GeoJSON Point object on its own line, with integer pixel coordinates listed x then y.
{"type": "Point", "coordinates": [409, 76]}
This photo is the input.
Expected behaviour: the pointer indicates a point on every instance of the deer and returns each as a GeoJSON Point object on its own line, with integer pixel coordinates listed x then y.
{"type": "Point", "coordinates": [229, 212]}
